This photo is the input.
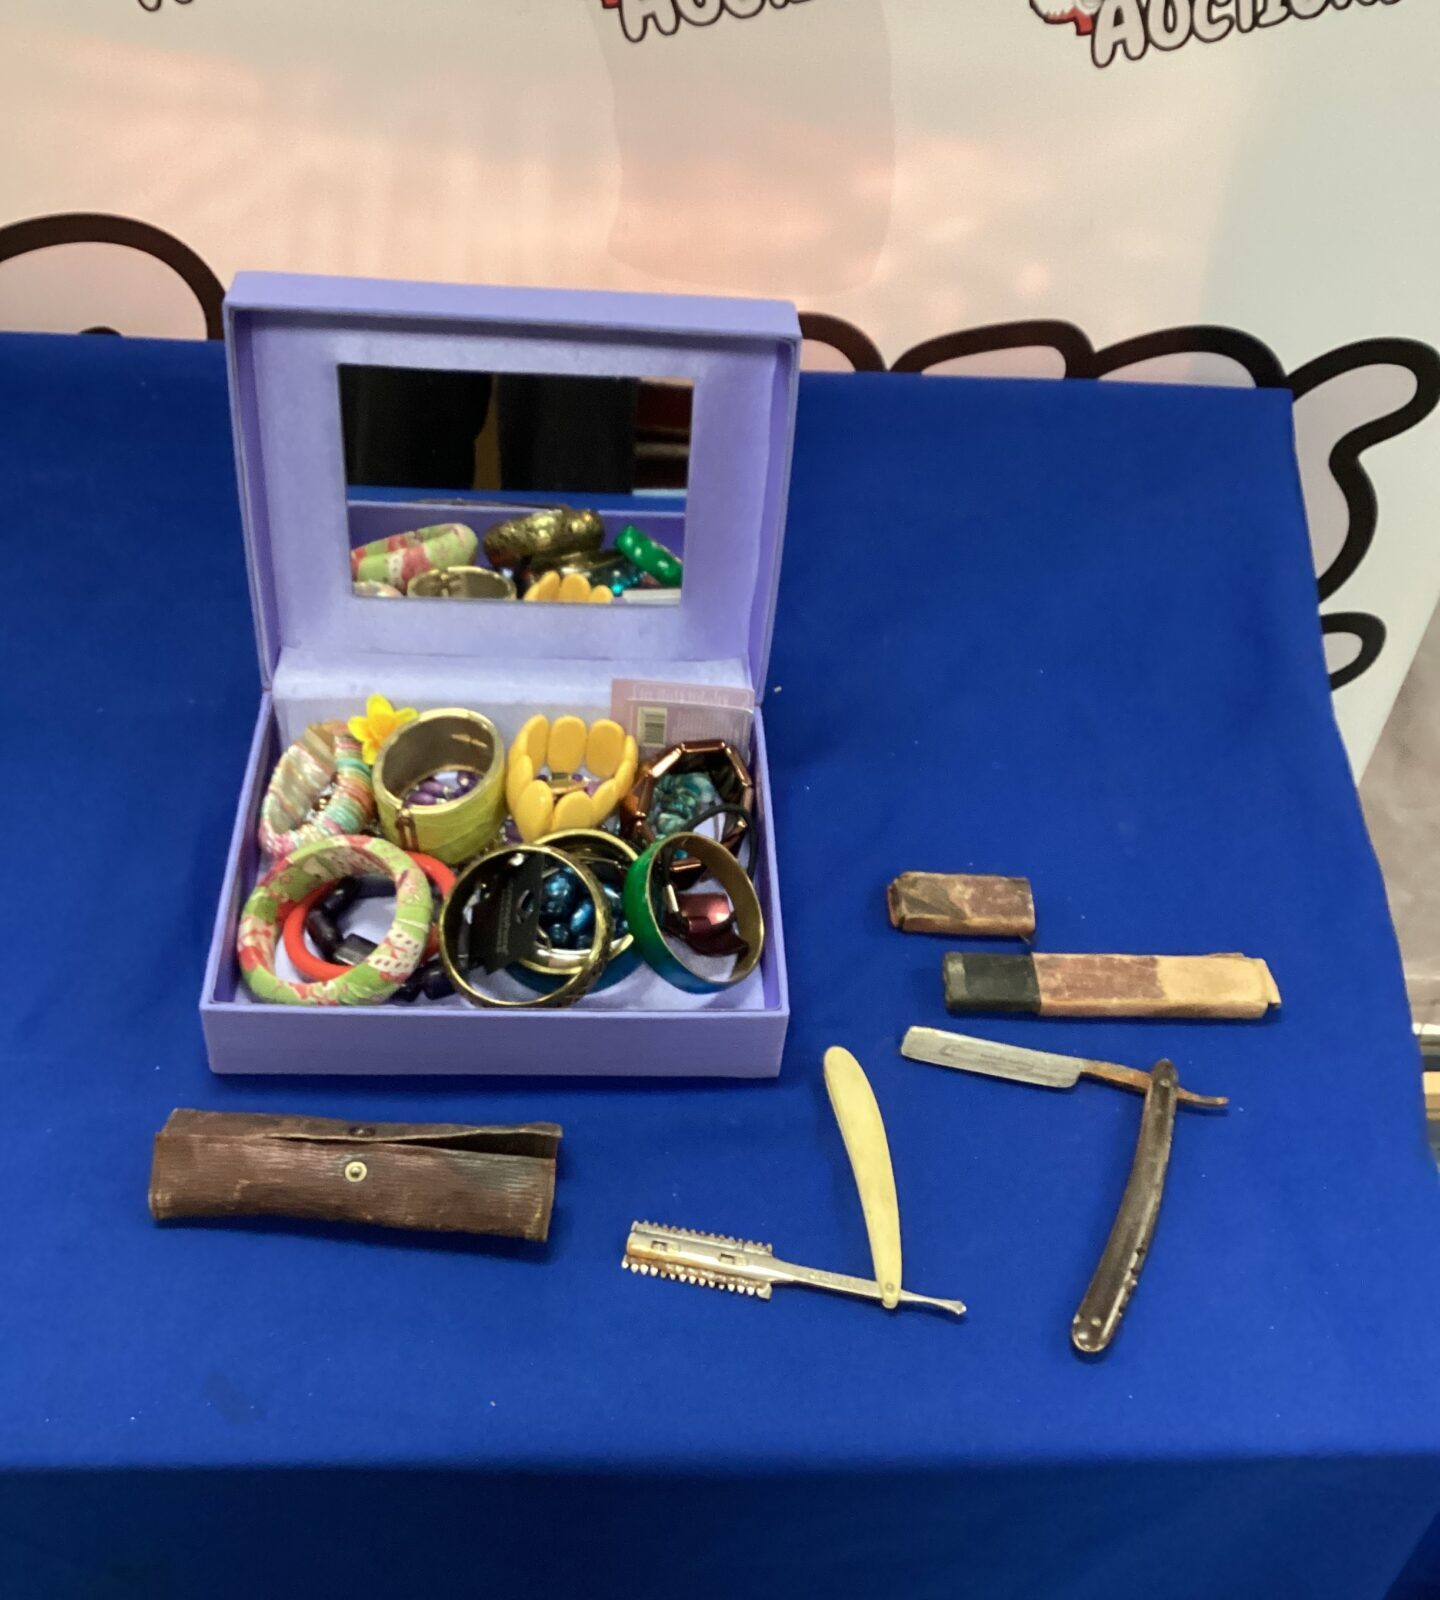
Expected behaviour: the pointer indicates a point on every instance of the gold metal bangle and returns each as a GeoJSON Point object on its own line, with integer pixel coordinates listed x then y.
{"type": "Point", "coordinates": [452, 930]}
{"type": "Point", "coordinates": [462, 583]}
{"type": "Point", "coordinates": [441, 741]}
{"type": "Point", "coordinates": [586, 845]}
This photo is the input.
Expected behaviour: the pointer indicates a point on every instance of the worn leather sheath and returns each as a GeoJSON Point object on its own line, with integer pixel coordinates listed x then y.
{"type": "Point", "coordinates": [444, 1177]}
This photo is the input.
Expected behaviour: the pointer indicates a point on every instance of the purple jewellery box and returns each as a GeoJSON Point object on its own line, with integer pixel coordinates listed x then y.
{"type": "Point", "coordinates": [314, 484]}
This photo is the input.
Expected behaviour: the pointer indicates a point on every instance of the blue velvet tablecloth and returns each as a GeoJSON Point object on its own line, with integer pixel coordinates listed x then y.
{"type": "Point", "coordinates": [1066, 630]}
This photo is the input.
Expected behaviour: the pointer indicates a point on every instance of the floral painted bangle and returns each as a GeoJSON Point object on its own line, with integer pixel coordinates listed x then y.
{"type": "Point", "coordinates": [651, 557]}
{"type": "Point", "coordinates": [372, 980]}
{"type": "Point", "coordinates": [311, 966]}
{"type": "Point", "coordinates": [545, 783]}
{"type": "Point", "coordinates": [406, 555]}
{"type": "Point", "coordinates": [647, 880]}
{"type": "Point", "coordinates": [293, 813]}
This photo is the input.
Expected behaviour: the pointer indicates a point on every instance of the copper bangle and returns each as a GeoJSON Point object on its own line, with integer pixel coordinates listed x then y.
{"type": "Point", "coordinates": [722, 763]}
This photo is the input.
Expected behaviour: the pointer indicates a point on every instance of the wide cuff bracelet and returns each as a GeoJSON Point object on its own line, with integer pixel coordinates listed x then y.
{"type": "Point", "coordinates": [448, 740]}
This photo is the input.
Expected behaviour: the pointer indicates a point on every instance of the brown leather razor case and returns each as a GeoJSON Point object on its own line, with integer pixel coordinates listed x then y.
{"type": "Point", "coordinates": [442, 1177]}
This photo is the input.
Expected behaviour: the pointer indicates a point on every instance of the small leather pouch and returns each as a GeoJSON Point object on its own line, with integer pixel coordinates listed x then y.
{"type": "Point", "coordinates": [439, 1176]}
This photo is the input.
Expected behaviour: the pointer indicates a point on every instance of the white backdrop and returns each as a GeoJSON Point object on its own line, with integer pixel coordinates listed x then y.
{"type": "Point", "coordinates": [1256, 203]}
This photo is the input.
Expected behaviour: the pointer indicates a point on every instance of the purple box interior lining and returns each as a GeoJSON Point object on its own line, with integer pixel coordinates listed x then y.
{"type": "Point", "coordinates": [322, 648]}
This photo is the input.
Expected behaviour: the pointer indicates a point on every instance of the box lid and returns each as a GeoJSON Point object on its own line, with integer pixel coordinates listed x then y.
{"type": "Point", "coordinates": [287, 336]}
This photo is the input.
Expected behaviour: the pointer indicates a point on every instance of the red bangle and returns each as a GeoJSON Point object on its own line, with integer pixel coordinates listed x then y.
{"type": "Point", "coordinates": [310, 966]}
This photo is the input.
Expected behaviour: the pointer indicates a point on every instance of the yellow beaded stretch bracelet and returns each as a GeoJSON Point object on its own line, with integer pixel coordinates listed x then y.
{"type": "Point", "coordinates": [545, 776]}
{"type": "Point", "coordinates": [573, 586]}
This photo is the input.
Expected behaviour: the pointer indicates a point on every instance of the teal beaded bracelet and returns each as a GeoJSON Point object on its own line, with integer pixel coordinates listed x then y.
{"type": "Point", "coordinates": [651, 557]}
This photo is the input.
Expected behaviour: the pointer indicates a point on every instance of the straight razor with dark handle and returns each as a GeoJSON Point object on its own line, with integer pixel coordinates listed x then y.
{"type": "Point", "coordinates": [942, 1048]}
{"type": "Point", "coordinates": [1098, 1319]}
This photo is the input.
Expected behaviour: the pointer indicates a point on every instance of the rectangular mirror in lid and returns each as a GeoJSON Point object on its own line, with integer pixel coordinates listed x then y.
{"type": "Point", "coordinates": [367, 410]}
{"type": "Point", "coordinates": [504, 486]}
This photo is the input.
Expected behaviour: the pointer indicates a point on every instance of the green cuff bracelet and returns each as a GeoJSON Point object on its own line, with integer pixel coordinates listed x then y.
{"type": "Point", "coordinates": [644, 923]}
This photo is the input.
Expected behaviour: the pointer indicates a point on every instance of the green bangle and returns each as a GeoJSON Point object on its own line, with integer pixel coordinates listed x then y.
{"type": "Point", "coordinates": [644, 924]}
{"type": "Point", "coordinates": [651, 557]}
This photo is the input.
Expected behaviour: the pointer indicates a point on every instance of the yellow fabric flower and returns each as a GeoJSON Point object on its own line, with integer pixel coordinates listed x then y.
{"type": "Point", "coordinates": [381, 719]}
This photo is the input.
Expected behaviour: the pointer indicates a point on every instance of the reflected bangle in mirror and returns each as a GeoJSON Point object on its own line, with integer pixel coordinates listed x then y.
{"type": "Point", "coordinates": [404, 556]}
{"type": "Point", "coordinates": [573, 587]}
{"type": "Point", "coordinates": [651, 557]}
{"type": "Point", "coordinates": [461, 583]}
{"type": "Point", "coordinates": [556, 532]}
{"type": "Point", "coordinates": [600, 567]}
{"type": "Point", "coordinates": [649, 880]}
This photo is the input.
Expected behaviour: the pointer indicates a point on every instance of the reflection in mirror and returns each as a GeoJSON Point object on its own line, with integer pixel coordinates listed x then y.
{"type": "Point", "coordinates": [515, 486]}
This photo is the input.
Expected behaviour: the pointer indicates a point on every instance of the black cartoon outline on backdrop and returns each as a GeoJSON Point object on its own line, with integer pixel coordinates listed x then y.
{"type": "Point", "coordinates": [97, 227]}
{"type": "Point", "coordinates": [1078, 355]}
{"type": "Point", "coordinates": [1080, 359]}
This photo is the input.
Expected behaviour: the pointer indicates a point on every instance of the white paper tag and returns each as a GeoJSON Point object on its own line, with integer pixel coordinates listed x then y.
{"type": "Point", "coordinates": [665, 714]}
